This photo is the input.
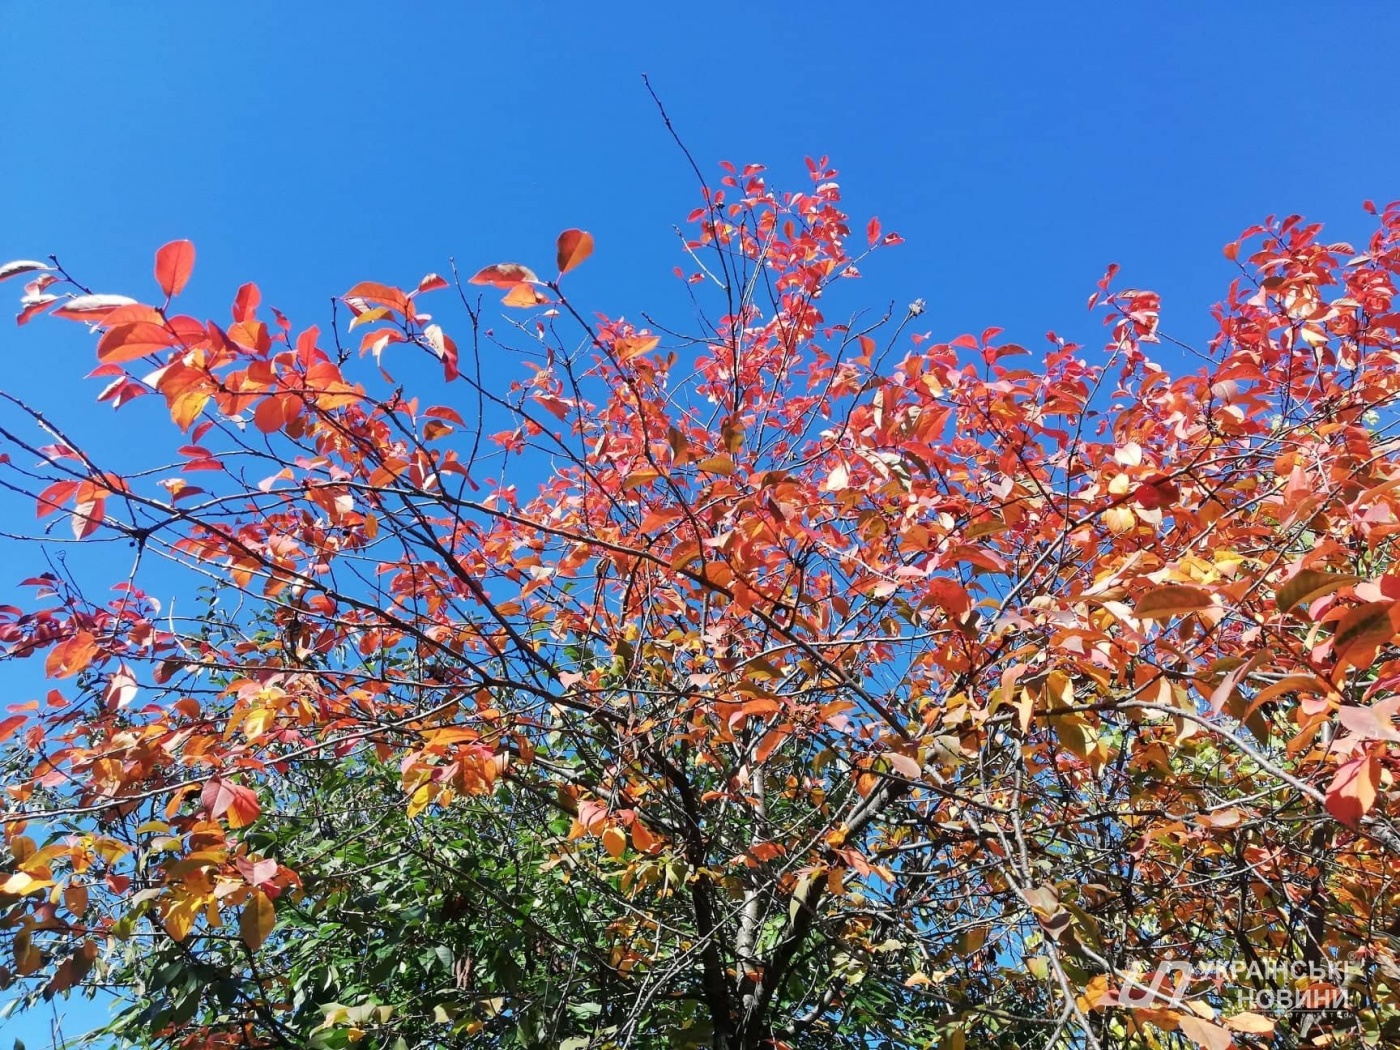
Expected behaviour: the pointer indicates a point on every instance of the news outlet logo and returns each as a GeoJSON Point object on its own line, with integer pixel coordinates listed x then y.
{"type": "Point", "coordinates": [1264, 987]}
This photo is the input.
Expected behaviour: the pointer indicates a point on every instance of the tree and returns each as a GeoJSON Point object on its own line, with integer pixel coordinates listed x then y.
{"type": "Point", "coordinates": [801, 681]}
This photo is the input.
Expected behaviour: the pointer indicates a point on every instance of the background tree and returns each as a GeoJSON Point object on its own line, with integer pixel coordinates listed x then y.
{"type": "Point", "coordinates": [795, 680]}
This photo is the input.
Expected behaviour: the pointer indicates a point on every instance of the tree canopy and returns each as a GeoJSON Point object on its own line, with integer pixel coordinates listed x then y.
{"type": "Point", "coordinates": [788, 674]}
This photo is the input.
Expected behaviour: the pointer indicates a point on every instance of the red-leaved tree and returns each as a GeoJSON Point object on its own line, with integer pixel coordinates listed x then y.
{"type": "Point", "coordinates": [855, 685]}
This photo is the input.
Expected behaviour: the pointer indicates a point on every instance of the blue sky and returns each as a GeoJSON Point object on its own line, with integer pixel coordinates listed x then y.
{"type": "Point", "coordinates": [1019, 148]}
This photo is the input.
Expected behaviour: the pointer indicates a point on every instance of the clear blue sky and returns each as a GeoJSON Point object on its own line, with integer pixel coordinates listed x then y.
{"type": "Point", "coordinates": [1018, 147]}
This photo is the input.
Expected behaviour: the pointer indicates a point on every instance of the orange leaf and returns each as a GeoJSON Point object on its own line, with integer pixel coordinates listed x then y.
{"type": "Point", "coordinates": [574, 247]}
{"type": "Point", "coordinates": [632, 346]}
{"type": "Point", "coordinates": [526, 295]}
{"type": "Point", "coordinates": [69, 657]}
{"type": "Point", "coordinates": [642, 838]}
{"type": "Point", "coordinates": [174, 263]}
{"type": "Point", "coordinates": [614, 841]}
{"type": "Point", "coordinates": [1352, 792]}
{"type": "Point", "coordinates": [269, 416]}
{"type": "Point", "coordinates": [381, 293]}
{"type": "Point", "coordinates": [772, 740]}
{"type": "Point", "coordinates": [127, 342]}
{"type": "Point", "coordinates": [238, 803]}
{"type": "Point", "coordinates": [717, 465]}
{"type": "Point", "coordinates": [1162, 603]}
{"type": "Point", "coordinates": [504, 275]}
{"type": "Point", "coordinates": [1362, 631]}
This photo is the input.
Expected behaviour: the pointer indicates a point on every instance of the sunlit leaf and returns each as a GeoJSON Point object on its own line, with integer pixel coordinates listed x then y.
{"type": "Point", "coordinates": [174, 264]}
{"type": "Point", "coordinates": [574, 247]}
{"type": "Point", "coordinates": [504, 275]}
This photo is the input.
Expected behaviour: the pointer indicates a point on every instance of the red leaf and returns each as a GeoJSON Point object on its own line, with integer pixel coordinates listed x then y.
{"type": "Point", "coordinates": [35, 306]}
{"type": "Point", "coordinates": [574, 247]}
{"type": "Point", "coordinates": [269, 417]}
{"type": "Point", "coordinates": [174, 264]}
{"type": "Point", "coordinates": [444, 348]}
{"type": "Point", "coordinates": [121, 689]}
{"type": "Point", "coordinates": [872, 232]}
{"type": "Point", "coordinates": [1156, 492]}
{"type": "Point", "coordinates": [128, 342]}
{"type": "Point", "coordinates": [245, 304]}
{"type": "Point", "coordinates": [504, 275]}
{"type": "Point", "coordinates": [240, 804]}
{"type": "Point", "coordinates": [53, 497]}
{"type": "Point", "coordinates": [380, 293]}
{"type": "Point", "coordinates": [87, 516]}
{"type": "Point", "coordinates": [132, 314]}
{"type": "Point", "coordinates": [431, 283]}
{"type": "Point", "coordinates": [1352, 792]}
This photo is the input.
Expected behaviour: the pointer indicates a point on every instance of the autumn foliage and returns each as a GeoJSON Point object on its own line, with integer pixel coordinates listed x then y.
{"type": "Point", "coordinates": [872, 687]}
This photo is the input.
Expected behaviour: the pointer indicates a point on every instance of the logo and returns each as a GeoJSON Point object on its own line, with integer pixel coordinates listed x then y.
{"type": "Point", "coordinates": [1266, 987]}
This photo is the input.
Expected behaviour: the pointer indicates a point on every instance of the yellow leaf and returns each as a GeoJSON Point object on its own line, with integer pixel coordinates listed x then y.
{"type": "Point", "coordinates": [179, 918]}
{"type": "Point", "coordinates": [1118, 520]}
{"type": "Point", "coordinates": [638, 478]}
{"type": "Point", "coordinates": [259, 718]}
{"type": "Point", "coordinates": [370, 316]}
{"type": "Point", "coordinates": [19, 884]}
{"type": "Point", "coordinates": [256, 920]}
{"type": "Point", "coordinates": [419, 800]}
{"type": "Point", "coordinates": [717, 465]}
